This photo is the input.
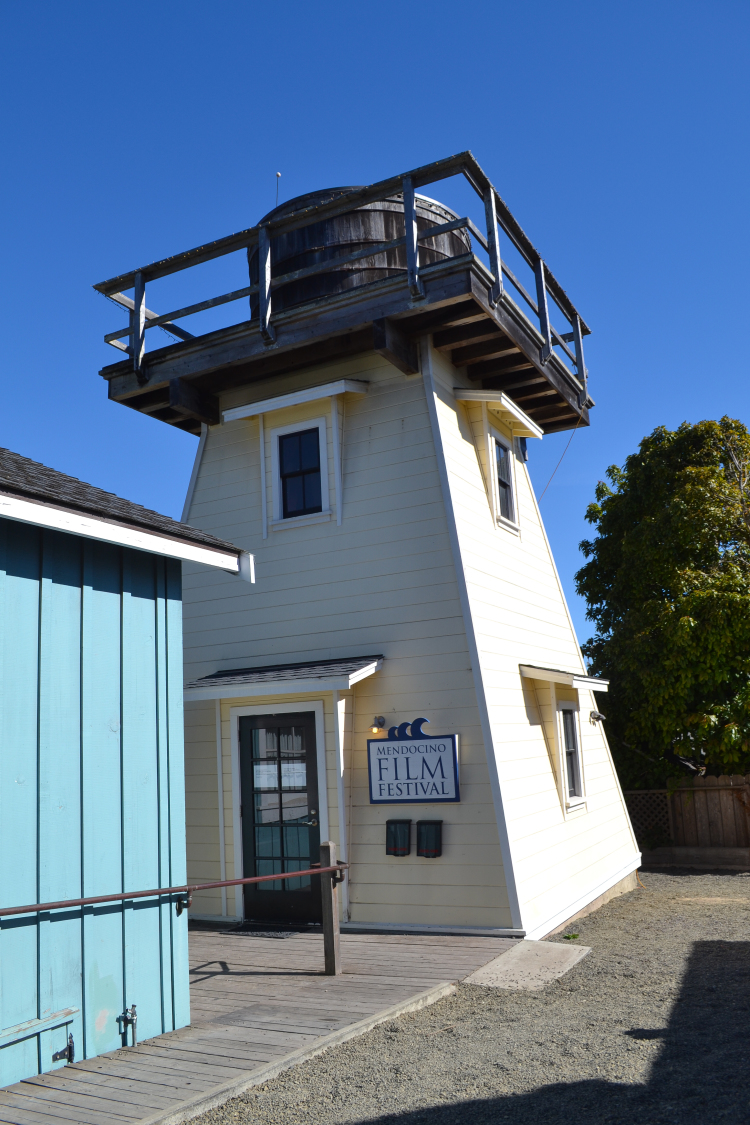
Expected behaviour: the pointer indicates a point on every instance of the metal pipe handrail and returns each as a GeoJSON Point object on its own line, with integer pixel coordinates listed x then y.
{"type": "Point", "coordinates": [186, 889]}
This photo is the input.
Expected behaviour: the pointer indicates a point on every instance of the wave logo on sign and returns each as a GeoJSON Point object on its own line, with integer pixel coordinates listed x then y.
{"type": "Point", "coordinates": [412, 767]}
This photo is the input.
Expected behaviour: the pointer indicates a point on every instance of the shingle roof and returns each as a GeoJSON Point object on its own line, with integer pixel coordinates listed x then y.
{"type": "Point", "coordinates": [272, 673]}
{"type": "Point", "coordinates": [19, 476]}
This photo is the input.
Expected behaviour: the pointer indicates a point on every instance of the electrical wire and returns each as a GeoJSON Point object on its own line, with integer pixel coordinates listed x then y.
{"type": "Point", "coordinates": [559, 463]}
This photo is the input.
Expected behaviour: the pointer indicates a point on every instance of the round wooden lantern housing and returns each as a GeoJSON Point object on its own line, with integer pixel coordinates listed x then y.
{"type": "Point", "coordinates": [345, 234]}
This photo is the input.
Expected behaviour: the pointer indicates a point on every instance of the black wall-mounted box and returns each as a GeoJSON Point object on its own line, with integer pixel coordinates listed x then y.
{"type": "Point", "coordinates": [430, 838]}
{"type": "Point", "coordinates": [397, 837]}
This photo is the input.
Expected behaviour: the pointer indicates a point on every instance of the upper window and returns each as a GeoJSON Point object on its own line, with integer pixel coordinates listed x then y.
{"type": "Point", "coordinates": [299, 471]}
{"type": "Point", "coordinates": [504, 471]}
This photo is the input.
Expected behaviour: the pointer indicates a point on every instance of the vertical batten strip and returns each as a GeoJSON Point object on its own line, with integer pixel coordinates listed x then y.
{"type": "Point", "coordinates": [337, 474]}
{"type": "Point", "coordinates": [176, 759]}
{"type": "Point", "coordinates": [263, 496]}
{"type": "Point", "coordinates": [220, 796]}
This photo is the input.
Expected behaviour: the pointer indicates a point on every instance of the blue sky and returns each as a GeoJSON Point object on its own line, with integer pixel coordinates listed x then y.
{"type": "Point", "coordinates": [617, 133]}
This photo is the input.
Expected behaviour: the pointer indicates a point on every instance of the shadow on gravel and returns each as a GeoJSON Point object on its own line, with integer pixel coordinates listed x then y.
{"type": "Point", "coordinates": [700, 1076]}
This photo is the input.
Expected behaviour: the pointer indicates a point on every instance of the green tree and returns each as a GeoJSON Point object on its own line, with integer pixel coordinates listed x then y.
{"type": "Point", "coordinates": [667, 584]}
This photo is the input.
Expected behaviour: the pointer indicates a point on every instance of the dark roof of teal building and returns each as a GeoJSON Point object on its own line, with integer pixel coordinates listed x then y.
{"type": "Point", "coordinates": [30, 480]}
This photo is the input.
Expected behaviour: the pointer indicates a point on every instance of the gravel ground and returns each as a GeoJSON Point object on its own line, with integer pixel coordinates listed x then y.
{"type": "Point", "coordinates": [652, 1026]}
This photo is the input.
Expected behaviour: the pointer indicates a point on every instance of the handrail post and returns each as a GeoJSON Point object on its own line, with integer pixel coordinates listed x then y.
{"type": "Point", "coordinates": [264, 284]}
{"type": "Point", "coordinates": [493, 241]}
{"type": "Point", "coordinates": [138, 323]}
{"type": "Point", "coordinates": [541, 299]}
{"type": "Point", "coordinates": [330, 909]}
{"type": "Point", "coordinates": [580, 362]}
{"type": "Point", "coordinates": [412, 245]}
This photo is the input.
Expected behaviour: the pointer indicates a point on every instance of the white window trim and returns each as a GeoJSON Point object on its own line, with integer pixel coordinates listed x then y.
{"type": "Point", "coordinates": [277, 518]}
{"type": "Point", "coordinates": [271, 708]}
{"type": "Point", "coordinates": [571, 805]}
{"type": "Point", "coordinates": [493, 436]}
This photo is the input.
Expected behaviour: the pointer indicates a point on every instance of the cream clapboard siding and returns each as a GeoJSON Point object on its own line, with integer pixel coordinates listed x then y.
{"type": "Point", "coordinates": [519, 615]}
{"type": "Point", "coordinates": [382, 582]}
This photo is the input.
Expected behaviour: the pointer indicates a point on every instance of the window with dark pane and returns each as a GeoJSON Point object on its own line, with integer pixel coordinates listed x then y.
{"type": "Point", "coordinates": [572, 762]}
{"type": "Point", "coordinates": [299, 468]}
{"type": "Point", "coordinates": [504, 481]}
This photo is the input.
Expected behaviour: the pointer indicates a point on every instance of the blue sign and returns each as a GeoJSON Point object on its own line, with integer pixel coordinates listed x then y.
{"type": "Point", "coordinates": [409, 767]}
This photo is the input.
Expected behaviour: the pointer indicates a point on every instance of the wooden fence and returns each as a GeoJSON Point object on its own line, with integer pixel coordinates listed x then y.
{"type": "Point", "coordinates": [703, 812]}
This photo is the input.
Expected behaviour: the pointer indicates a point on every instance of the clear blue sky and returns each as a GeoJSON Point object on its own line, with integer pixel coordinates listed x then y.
{"type": "Point", "coordinates": [617, 133]}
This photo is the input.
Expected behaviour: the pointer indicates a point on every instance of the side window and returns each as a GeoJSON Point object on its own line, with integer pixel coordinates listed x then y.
{"type": "Point", "coordinates": [299, 472]}
{"type": "Point", "coordinates": [571, 749]}
{"type": "Point", "coordinates": [504, 468]}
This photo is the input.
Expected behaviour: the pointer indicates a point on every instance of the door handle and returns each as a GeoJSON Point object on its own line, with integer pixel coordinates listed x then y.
{"type": "Point", "coordinates": [309, 823]}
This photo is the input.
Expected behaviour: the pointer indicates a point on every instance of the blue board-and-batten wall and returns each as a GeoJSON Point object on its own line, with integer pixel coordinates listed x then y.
{"type": "Point", "coordinates": [91, 793]}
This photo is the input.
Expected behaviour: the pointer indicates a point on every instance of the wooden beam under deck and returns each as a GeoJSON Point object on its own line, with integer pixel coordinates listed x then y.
{"type": "Point", "coordinates": [499, 347]}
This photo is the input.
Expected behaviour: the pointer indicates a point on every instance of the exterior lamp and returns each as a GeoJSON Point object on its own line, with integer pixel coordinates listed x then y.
{"type": "Point", "coordinates": [377, 723]}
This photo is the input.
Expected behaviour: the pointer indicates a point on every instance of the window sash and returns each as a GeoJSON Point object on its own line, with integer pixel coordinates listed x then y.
{"type": "Point", "coordinates": [299, 473]}
{"type": "Point", "coordinates": [572, 754]}
{"type": "Point", "coordinates": [504, 471]}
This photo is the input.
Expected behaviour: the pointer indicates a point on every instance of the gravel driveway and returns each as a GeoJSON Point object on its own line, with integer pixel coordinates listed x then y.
{"type": "Point", "coordinates": [652, 1026]}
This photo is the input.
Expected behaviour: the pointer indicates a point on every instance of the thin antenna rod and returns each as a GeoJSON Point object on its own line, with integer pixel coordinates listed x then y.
{"type": "Point", "coordinates": [278, 177]}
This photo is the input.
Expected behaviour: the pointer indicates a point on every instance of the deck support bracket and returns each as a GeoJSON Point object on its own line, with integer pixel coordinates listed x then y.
{"type": "Point", "coordinates": [493, 242]}
{"type": "Point", "coordinates": [416, 287]}
{"type": "Point", "coordinates": [264, 285]}
{"type": "Point", "coordinates": [544, 324]}
{"type": "Point", "coordinates": [192, 403]}
{"type": "Point", "coordinates": [389, 341]}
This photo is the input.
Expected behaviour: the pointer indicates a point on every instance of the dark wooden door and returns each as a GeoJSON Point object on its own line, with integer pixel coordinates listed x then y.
{"type": "Point", "coordinates": [280, 815]}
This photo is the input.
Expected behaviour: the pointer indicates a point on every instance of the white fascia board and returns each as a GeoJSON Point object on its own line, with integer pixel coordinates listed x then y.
{"type": "Point", "coordinates": [310, 394]}
{"type": "Point", "coordinates": [282, 687]}
{"type": "Point", "coordinates": [521, 424]}
{"type": "Point", "coordinates": [76, 523]}
{"type": "Point", "coordinates": [570, 679]}
{"type": "Point", "coordinates": [274, 687]}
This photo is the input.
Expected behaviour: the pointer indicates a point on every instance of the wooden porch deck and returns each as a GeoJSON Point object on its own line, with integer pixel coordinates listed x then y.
{"type": "Point", "coordinates": [259, 1004]}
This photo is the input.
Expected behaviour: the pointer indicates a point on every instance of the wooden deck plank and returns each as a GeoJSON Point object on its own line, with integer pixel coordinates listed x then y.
{"type": "Point", "coordinates": [253, 1000]}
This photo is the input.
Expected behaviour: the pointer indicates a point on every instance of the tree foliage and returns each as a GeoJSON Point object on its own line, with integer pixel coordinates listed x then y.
{"type": "Point", "coordinates": [667, 584]}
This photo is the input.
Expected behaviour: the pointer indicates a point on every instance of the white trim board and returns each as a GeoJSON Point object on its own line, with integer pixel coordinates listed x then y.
{"type": "Point", "coordinates": [556, 676]}
{"type": "Point", "coordinates": [76, 523]}
{"type": "Point", "coordinates": [310, 394]}
{"type": "Point", "coordinates": [499, 403]}
{"type": "Point", "coordinates": [318, 707]}
{"type": "Point", "coordinates": [281, 687]}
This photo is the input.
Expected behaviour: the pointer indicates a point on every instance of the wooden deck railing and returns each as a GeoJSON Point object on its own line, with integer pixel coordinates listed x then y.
{"type": "Point", "coordinates": [496, 215]}
{"type": "Point", "coordinates": [328, 887]}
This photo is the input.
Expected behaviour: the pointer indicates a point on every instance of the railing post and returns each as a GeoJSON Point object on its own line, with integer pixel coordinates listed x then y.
{"type": "Point", "coordinates": [264, 285]}
{"type": "Point", "coordinates": [583, 374]}
{"type": "Point", "coordinates": [493, 241]}
{"type": "Point", "coordinates": [330, 903]}
{"type": "Point", "coordinates": [541, 298]}
{"type": "Point", "coordinates": [138, 323]}
{"type": "Point", "coordinates": [412, 245]}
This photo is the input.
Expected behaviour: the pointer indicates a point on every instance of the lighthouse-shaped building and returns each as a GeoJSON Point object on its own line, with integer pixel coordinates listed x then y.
{"type": "Point", "coordinates": [403, 678]}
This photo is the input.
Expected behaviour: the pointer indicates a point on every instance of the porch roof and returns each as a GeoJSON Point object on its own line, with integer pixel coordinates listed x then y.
{"type": "Point", "coordinates": [284, 679]}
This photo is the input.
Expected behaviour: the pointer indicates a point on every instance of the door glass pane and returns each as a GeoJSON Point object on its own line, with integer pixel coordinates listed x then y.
{"type": "Point", "coordinates": [283, 824]}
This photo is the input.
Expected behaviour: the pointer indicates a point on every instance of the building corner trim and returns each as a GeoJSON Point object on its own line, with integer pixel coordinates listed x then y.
{"type": "Point", "coordinates": [476, 668]}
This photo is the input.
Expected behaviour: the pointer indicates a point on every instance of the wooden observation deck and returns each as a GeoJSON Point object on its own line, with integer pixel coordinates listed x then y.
{"type": "Point", "coordinates": [478, 312]}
